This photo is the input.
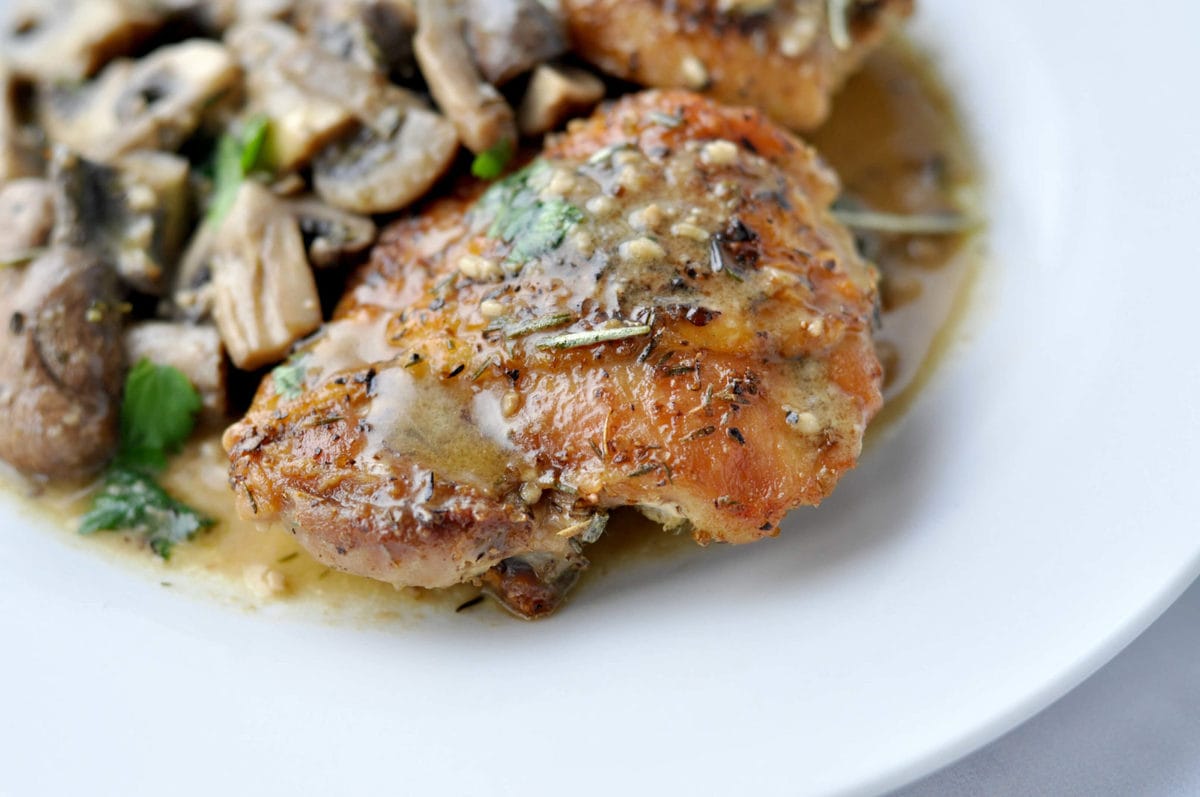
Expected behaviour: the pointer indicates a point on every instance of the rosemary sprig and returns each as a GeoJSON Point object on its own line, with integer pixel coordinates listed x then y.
{"type": "Point", "coordinates": [591, 528]}
{"type": "Point", "coordinates": [899, 224]}
{"type": "Point", "coordinates": [574, 340]}
{"type": "Point", "coordinates": [839, 22]}
{"type": "Point", "coordinates": [539, 324]}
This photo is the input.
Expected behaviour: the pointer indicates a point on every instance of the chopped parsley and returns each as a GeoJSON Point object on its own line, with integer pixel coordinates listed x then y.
{"type": "Point", "coordinates": [158, 414]}
{"type": "Point", "coordinates": [237, 157]}
{"type": "Point", "coordinates": [131, 501]}
{"type": "Point", "coordinates": [288, 379]}
{"type": "Point", "coordinates": [490, 164]}
{"type": "Point", "coordinates": [518, 216]}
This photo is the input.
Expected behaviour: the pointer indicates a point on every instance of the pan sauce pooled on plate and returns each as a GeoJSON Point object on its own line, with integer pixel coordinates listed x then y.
{"type": "Point", "coordinates": [657, 310]}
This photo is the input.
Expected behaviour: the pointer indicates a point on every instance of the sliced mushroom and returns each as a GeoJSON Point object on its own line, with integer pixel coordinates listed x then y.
{"type": "Point", "coordinates": [135, 212]}
{"type": "Point", "coordinates": [191, 296]}
{"type": "Point", "coordinates": [479, 112]}
{"type": "Point", "coordinates": [27, 213]}
{"type": "Point", "coordinates": [392, 24]}
{"type": "Point", "coordinates": [264, 294]}
{"type": "Point", "coordinates": [342, 29]}
{"type": "Point", "coordinates": [511, 37]}
{"type": "Point", "coordinates": [555, 94]}
{"type": "Point", "coordinates": [331, 235]}
{"type": "Point", "coordinates": [368, 95]}
{"type": "Point", "coordinates": [195, 349]}
{"type": "Point", "coordinates": [369, 174]}
{"type": "Point", "coordinates": [17, 158]}
{"type": "Point", "coordinates": [217, 16]}
{"type": "Point", "coordinates": [51, 40]}
{"type": "Point", "coordinates": [61, 364]}
{"type": "Point", "coordinates": [154, 103]}
{"type": "Point", "coordinates": [301, 122]}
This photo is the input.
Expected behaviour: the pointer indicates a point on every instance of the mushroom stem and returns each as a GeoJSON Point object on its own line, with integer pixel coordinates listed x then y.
{"type": "Point", "coordinates": [265, 297]}
{"type": "Point", "coordinates": [479, 112]}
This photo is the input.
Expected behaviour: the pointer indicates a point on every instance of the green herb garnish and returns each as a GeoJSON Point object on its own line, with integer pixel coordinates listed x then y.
{"type": "Point", "coordinates": [132, 501]}
{"type": "Point", "coordinates": [490, 164]}
{"type": "Point", "coordinates": [289, 378]}
{"type": "Point", "coordinates": [539, 324]}
{"type": "Point", "coordinates": [575, 340]}
{"type": "Point", "coordinates": [158, 414]}
{"type": "Point", "coordinates": [518, 216]}
{"type": "Point", "coordinates": [238, 156]}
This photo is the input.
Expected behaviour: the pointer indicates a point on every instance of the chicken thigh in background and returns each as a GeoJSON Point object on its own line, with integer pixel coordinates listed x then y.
{"type": "Point", "coordinates": [787, 57]}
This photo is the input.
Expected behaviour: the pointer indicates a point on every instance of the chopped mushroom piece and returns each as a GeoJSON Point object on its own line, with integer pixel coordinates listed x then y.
{"type": "Point", "coordinates": [264, 296]}
{"type": "Point", "coordinates": [53, 40]}
{"type": "Point", "coordinates": [554, 95]}
{"type": "Point", "coordinates": [217, 16]}
{"type": "Point", "coordinates": [371, 34]}
{"type": "Point", "coordinates": [479, 112]}
{"type": "Point", "coordinates": [61, 364]}
{"type": "Point", "coordinates": [300, 123]}
{"type": "Point", "coordinates": [310, 96]}
{"type": "Point", "coordinates": [332, 235]}
{"type": "Point", "coordinates": [368, 95]}
{"type": "Point", "coordinates": [511, 37]}
{"type": "Point", "coordinates": [135, 212]}
{"type": "Point", "coordinates": [27, 213]}
{"type": "Point", "coordinates": [16, 156]}
{"type": "Point", "coordinates": [195, 349]}
{"type": "Point", "coordinates": [191, 296]}
{"type": "Point", "coordinates": [368, 174]}
{"type": "Point", "coordinates": [154, 103]}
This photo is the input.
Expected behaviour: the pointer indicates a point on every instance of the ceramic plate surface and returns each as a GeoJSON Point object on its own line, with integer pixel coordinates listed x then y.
{"type": "Point", "coordinates": [1035, 510]}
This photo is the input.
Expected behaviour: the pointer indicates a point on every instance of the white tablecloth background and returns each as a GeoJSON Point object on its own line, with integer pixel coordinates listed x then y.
{"type": "Point", "coordinates": [1131, 729]}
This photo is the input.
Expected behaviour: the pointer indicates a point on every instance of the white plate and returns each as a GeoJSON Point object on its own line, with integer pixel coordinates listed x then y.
{"type": "Point", "coordinates": [1035, 511]}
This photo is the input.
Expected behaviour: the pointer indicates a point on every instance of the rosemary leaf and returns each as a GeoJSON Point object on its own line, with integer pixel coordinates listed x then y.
{"type": "Point", "coordinates": [574, 340]}
{"type": "Point", "coordinates": [839, 22]}
{"type": "Point", "coordinates": [898, 224]}
{"type": "Point", "coordinates": [538, 324]}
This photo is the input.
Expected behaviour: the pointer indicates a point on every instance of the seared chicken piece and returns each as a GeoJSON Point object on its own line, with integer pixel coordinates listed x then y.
{"type": "Point", "coordinates": [784, 56]}
{"type": "Point", "coordinates": [659, 312]}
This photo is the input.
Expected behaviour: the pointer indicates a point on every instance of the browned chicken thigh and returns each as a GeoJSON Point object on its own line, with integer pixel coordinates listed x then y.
{"type": "Point", "coordinates": [658, 312]}
{"type": "Point", "coordinates": [787, 57]}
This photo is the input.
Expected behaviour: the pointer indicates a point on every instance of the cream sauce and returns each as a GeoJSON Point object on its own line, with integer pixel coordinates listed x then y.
{"type": "Point", "coordinates": [463, 435]}
{"type": "Point", "coordinates": [895, 141]}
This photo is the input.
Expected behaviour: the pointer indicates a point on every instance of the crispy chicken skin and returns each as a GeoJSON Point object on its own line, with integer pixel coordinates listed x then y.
{"type": "Point", "coordinates": [776, 55]}
{"type": "Point", "coordinates": [459, 421]}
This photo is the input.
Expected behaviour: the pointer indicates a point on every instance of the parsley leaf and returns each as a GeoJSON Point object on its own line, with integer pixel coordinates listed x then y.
{"type": "Point", "coordinates": [236, 158]}
{"type": "Point", "coordinates": [157, 415]}
{"type": "Point", "coordinates": [131, 501]}
{"type": "Point", "coordinates": [533, 226]}
{"type": "Point", "coordinates": [288, 379]}
{"type": "Point", "coordinates": [489, 165]}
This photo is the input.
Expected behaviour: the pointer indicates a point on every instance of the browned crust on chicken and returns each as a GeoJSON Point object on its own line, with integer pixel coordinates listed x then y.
{"type": "Point", "coordinates": [778, 56]}
{"type": "Point", "coordinates": [440, 434]}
